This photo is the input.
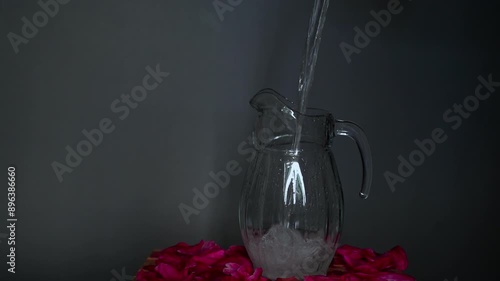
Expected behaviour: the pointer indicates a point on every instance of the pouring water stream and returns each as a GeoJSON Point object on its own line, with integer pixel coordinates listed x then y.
{"type": "Point", "coordinates": [306, 77]}
{"type": "Point", "coordinates": [294, 180]}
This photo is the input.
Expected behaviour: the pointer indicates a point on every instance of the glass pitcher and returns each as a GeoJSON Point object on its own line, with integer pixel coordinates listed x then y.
{"type": "Point", "coordinates": [291, 208]}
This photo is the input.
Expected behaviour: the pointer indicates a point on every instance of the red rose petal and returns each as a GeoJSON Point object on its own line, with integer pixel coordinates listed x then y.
{"type": "Point", "coordinates": [206, 261]}
{"type": "Point", "coordinates": [169, 273]}
{"type": "Point", "coordinates": [209, 258]}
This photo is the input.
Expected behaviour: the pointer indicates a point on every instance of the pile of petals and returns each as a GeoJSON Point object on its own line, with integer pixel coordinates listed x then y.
{"type": "Point", "coordinates": [206, 261]}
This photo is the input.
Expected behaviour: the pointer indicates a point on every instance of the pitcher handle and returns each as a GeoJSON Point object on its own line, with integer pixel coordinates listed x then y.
{"type": "Point", "coordinates": [353, 131]}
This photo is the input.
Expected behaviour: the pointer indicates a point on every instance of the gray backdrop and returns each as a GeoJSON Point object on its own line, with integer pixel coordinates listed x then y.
{"type": "Point", "coordinates": [122, 200]}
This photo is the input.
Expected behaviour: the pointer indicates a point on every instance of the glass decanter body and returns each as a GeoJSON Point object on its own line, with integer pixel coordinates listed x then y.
{"type": "Point", "coordinates": [291, 208]}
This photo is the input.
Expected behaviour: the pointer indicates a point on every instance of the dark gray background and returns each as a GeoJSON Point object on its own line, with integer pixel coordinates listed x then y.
{"type": "Point", "coordinates": [122, 201]}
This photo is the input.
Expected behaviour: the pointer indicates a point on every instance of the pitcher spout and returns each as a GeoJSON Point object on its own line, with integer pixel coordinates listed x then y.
{"type": "Point", "coordinates": [269, 99]}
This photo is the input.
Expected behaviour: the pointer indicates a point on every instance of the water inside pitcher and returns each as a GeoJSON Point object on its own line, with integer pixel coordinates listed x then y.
{"type": "Point", "coordinates": [291, 209]}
